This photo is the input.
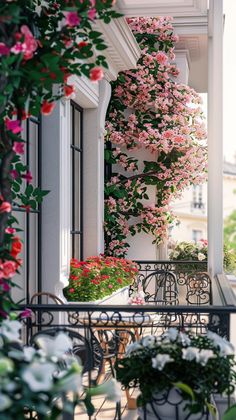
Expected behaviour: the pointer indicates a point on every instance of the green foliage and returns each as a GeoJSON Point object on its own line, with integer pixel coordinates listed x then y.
{"type": "Point", "coordinates": [43, 43]}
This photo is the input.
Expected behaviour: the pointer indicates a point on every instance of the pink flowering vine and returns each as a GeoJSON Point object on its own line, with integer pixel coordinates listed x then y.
{"type": "Point", "coordinates": [151, 112]}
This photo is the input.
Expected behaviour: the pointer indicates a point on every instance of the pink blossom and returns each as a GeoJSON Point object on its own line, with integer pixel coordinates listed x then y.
{"type": "Point", "coordinates": [14, 126]}
{"type": "Point", "coordinates": [92, 14]}
{"type": "Point", "coordinates": [8, 269]}
{"type": "Point", "coordinates": [28, 176]}
{"type": "Point", "coordinates": [26, 313]}
{"type": "Point", "coordinates": [18, 147]}
{"type": "Point", "coordinates": [30, 44]}
{"type": "Point", "coordinates": [10, 230]}
{"type": "Point", "coordinates": [17, 48]}
{"type": "Point", "coordinates": [96, 74]}
{"type": "Point", "coordinates": [4, 49]}
{"type": "Point", "coordinates": [5, 207]}
{"type": "Point", "coordinates": [72, 19]}
{"type": "Point", "coordinates": [14, 174]}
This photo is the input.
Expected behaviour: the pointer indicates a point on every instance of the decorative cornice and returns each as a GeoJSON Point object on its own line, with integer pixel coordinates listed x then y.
{"type": "Point", "coordinates": [123, 50]}
{"type": "Point", "coordinates": [177, 8]}
{"type": "Point", "coordinates": [87, 93]}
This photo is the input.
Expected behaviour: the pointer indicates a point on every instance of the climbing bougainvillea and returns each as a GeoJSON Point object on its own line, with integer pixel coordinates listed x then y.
{"type": "Point", "coordinates": [42, 43]}
{"type": "Point", "coordinates": [150, 112]}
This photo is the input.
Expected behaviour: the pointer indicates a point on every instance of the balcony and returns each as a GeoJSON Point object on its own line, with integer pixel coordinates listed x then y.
{"type": "Point", "coordinates": [177, 294]}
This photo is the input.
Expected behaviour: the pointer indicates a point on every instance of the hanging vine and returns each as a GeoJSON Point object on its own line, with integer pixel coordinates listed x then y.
{"type": "Point", "coordinates": [42, 43]}
{"type": "Point", "coordinates": [149, 111]}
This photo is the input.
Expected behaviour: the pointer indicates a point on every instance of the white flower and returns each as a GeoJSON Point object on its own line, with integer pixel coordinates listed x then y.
{"type": "Point", "coordinates": [171, 333]}
{"type": "Point", "coordinates": [226, 348]}
{"type": "Point", "coordinates": [190, 354]}
{"type": "Point", "coordinates": [148, 341]}
{"type": "Point", "coordinates": [5, 402]}
{"type": "Point", "coordinates": [160, 361]}
{"type": "Point", "coordinates": [133, 347]}
{"type": "Point", "coordinates": [54, 346]}
{"type": "Point", "coordinates": [29, 353]}
{"type": "Point", "coordinates": [184, 339]}
{"type": "Point", "coordinates": [38, 376]}
{"type": "Point", "coordinates": [175, 254]}
{"type": "Point", "coordinates": [201, 256]}
{"type": "Point", "coordinates": [110, 388]}
{"type": "Point", "coordinates": [204, 356]}
{"type": "Point", "coordinates": [69, 382]}
{"type": "Point", "coordinates": [10, 330]}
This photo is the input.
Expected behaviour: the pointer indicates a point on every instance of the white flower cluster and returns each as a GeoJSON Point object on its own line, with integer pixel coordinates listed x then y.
{"type": "Point", "coordinates": [172, 336]}
{"type": "Point", "coordinates": [51, 370]}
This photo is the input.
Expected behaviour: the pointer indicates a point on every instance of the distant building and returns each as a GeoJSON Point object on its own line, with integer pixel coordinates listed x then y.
{"type": "Point", "coordinates": [191, 209]}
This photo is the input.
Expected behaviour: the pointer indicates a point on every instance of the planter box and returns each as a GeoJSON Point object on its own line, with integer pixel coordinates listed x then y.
{"type": "Point", "coordinates": [164, 407]}
{"type": "Point", "coordinates": [119, 297]}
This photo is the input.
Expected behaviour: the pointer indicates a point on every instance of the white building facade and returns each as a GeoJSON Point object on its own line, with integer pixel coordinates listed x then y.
{"type": "Point", "coordinates": [70, 161]}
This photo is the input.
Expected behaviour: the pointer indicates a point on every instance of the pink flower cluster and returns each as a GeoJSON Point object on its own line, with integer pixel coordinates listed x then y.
{"type": "Point", "coordinates": [150, 111]}
{"type": "Point", "coordinates": [26, 44]}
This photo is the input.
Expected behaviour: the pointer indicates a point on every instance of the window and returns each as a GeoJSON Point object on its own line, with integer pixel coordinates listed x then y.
{"type": "Point", "coordinates": [76, 181]}
{"type": "Point", "coordinates": [29, 278]}
{"type": "Point", "coordinates": [197, 235]}
{"type": "Point", "coordinates": [197, 202]}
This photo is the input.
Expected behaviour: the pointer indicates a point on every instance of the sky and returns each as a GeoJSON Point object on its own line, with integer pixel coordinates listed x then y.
{"type": "Point", "coordinates": [229, 80]}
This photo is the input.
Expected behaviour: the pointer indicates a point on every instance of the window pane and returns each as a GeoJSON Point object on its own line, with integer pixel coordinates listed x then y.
{"type": "Point", "coordinates": [76, 181]}
{"type": "Point", "coordinates": [77, 128]}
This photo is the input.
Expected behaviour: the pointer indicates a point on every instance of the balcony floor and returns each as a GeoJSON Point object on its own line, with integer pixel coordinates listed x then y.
{"type": "Point", "coordinates": [105, 409]}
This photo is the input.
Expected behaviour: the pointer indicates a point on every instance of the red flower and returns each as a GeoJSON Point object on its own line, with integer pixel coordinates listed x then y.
{"type": "Point", "coordinates": [5, 207]}
{"type": "Point", "coordinates": [47, 107]}
{"type": "Point", "coordinates": [69, 90]}
{"type": "Point", "coordinates": [71, 290]}
{"type": "Point", "coordinates": [27, 207]}
{"type": "Point", "coordinates": [74, 277]}
{"type": "Point", "coordinates": [82, 44]}
{"type": "Point", "coordinates": [16, 246]}
{"type": "Point", "coordinates": [96, 74]}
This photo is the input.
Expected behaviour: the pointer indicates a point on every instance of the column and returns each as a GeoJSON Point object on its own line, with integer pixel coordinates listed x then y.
{"type": "Point", "coordinates": [215, 137]}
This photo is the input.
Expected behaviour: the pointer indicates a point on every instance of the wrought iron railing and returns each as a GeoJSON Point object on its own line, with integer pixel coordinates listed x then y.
{"type": "Point", "coordinates": [174, 298]}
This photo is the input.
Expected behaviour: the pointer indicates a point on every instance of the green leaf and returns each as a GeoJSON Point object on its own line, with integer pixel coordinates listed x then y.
{"type": "Point", "coordinates": [185, 388]}
{"type": "Point", "coordinates": [212, 409]}
{"type": "Point", "coordinates": [230, 414]}
{"type": "Point", "coordinates": [28, 191]}
{"type": "Point", "coordinates": [88, 404]}
{"type": "Point", "coordinates": [101, 47]}
{"type": "Point", "coordinates": [94, 34]}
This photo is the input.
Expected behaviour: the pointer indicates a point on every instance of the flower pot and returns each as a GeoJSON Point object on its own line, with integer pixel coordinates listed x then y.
{"type": "Point", "coordinates": [119, 297]}
{"type": "Point", "coordinates": [169, 406]}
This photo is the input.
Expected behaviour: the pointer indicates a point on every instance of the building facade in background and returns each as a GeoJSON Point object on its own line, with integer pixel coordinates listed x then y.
{"type": "Point", "coordinates": [191, 209]}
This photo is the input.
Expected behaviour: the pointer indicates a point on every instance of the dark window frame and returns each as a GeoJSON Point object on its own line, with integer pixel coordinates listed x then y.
{"type": "Point", "coordinates": [38, 122]}
{"type": "Point", "coordinates": [75, 149]}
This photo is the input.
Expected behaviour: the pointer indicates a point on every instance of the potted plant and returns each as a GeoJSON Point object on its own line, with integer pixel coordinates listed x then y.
{"type": "Point", "coordinates": [178, 370]}
{"type": "Point", "coordinates": [191, 251]}
{"type": "Point", "coordinates": [97, 278]}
